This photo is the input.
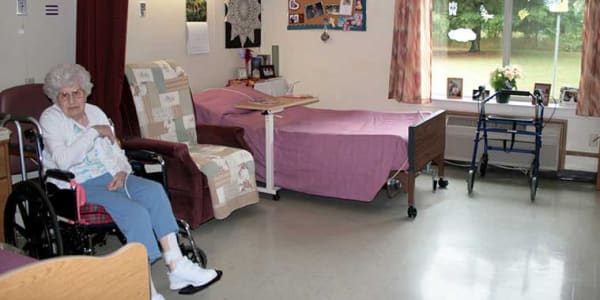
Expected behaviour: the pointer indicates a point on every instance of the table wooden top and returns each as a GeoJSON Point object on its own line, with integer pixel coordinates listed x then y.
{"type": "Point", "coordinates": [277, 103]}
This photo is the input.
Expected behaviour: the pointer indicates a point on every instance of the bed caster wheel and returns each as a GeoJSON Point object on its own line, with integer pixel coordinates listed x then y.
{"type": "Point", "coordinates": [443, 183]}
{"type": "Point", "coordinates": [412, 212]}
{"type": "Point", "coordinates": [276, 196]}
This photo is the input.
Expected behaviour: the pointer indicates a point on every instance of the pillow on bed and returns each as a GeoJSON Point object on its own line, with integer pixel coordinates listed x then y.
{"type": "Point", "coordinates": [223, 100]}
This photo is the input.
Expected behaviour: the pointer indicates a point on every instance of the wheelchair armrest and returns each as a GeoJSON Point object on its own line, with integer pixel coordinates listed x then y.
{"type": "Point", "coordinates": [147, 164]}
{"type": "Point", "coordinates": [144, 156]}
{"type": "Point", "coordinates": [231, 136]}
{"type": "Point", "coordinates": [60, 174]}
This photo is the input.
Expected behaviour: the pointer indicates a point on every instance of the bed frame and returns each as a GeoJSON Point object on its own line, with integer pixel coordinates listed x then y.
{"type": "Point", "coordinates": [426, 143]}
{"type": "Point", "coordinates": [123, 274]}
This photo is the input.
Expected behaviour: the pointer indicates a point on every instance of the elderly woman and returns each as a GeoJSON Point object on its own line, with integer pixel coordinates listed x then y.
{"type": "Point", "coordinates": [78, 138]}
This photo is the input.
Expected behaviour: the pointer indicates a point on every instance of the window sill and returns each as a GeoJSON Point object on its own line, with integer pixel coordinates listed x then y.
{"type": "Point", "coordinates": [517, 108]}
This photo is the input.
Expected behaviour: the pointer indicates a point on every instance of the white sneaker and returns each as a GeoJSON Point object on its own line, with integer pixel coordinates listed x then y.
{"type": "Point", "coordinates": [157, 296]}
{"type": "Point", "coordinates": [188, 273]}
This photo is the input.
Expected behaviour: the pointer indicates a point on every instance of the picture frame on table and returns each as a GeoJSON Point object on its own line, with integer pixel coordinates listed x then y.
{"type": "Point", "coordinates": [265, 59]}
{"type": "Point", "coordinates": [545, 88]}
{"type": "Point", "coordinates": [454, 88]}
{"type": "Point", "coordinates": [242, 73]}
{"type": "Point", "coordinates": [267, 71]}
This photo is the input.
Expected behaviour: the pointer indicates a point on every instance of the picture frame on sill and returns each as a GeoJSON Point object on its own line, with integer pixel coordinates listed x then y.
{"type": "Point", "coordinates": [267, 71]}
{"type": "Point", "coordinates": [454, 88]}
{"type": "Point", "coordinates": [568, 95]}
{"type": "Point", "coordinates": [545, 88]}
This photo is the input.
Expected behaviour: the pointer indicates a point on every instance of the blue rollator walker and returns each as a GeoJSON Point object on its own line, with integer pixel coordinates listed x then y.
{"type": "Point", "coordinates": [511, 127]}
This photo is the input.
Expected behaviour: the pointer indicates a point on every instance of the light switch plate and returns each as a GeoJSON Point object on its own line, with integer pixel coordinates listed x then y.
{"type": "Point", "coordinates": [143, 7]}
{"type": "Point", "coordinates": [21, 7]}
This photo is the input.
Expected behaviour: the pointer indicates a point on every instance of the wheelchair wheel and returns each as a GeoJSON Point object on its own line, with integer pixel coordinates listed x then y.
{"type": "Point", "coordinates": [470, 181]}
{"type": "Point", "coordinates": [30, 222]}
{"type": "Point", "coordinates": [188, 246]}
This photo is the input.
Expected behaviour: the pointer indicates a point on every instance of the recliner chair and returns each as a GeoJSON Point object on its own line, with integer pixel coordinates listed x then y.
{"type": "Point", "coordinates": [158, 94]}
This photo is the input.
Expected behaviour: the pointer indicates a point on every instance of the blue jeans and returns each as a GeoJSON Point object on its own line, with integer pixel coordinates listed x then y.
{"type": "Point", "coordinates": [142, 211]}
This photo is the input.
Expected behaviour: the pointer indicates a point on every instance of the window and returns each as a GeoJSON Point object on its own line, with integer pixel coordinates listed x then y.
{"type": "Point", "coordinates": [469, 42]}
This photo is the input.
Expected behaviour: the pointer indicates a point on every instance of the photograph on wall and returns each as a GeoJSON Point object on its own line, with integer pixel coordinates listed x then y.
{"type": "Point", "coordinates": [346, 7]}
{"type": "Point", "coordinates": [242, 23]}
{"type": "Point", "coordinates": [347, 15]}
{"type": "Point", "coordinates": [195, 10]}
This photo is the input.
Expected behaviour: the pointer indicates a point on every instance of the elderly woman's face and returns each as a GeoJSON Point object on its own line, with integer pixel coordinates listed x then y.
{"type": "Point", "coordinates": [71, 100]}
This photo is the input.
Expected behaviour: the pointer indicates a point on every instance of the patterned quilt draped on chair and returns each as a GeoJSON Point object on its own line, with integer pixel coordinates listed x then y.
{"type": "Point", "coordinates": [164, 108]}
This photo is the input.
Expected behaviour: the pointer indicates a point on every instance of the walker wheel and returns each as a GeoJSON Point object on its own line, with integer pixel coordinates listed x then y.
{"type": "Point", "coordinates": [443, 183]}
{"type": "Point", "coordinates": [533, 187]}
{"type": "Point", "coordinates": [470, 181]}
{"type": "Point", "coordinates": [412, 212]}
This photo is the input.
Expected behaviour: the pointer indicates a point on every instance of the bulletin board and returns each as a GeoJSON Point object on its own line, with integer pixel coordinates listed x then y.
{"type": "Point", "coordinates": [335, 14]}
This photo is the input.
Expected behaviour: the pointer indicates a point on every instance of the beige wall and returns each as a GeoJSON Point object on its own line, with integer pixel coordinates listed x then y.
{"type": "Point", "coordinates": [161, 35]}
{"type": "Point", "coordinates": [31, 44]}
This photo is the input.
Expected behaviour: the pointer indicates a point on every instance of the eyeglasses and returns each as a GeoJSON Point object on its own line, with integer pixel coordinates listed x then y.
{"type": "Point", "coordinates": [74, 94]}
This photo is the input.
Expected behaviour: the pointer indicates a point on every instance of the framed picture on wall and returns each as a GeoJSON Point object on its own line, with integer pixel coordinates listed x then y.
{"type": "Point", "coordinates": [545, 88]}
{"type": "Point", "coordinates": [455, 88]}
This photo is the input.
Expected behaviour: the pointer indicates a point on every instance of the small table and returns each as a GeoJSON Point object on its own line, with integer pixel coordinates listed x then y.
{"type": "Point", "coordinates": [269, 106]}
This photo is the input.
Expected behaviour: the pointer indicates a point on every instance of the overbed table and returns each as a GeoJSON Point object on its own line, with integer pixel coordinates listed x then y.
{"type": "Point", "coordinates": [270, 106]}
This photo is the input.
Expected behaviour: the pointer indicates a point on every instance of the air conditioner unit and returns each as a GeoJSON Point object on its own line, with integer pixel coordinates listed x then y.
{"type": "Point", "coordinates": [460, 135]}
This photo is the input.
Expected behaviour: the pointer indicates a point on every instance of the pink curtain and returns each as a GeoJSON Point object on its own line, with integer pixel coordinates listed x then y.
{"type": "Point", "coordinates": [101, 39]}
{"type": "Point", "coordinates": [410, 69]}
{"type": "Point", "coordinates": [588, 103]}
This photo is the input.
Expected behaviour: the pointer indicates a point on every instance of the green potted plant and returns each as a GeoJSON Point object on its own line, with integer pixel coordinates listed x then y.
{"type": "Point", "coordinates": [505, 78]}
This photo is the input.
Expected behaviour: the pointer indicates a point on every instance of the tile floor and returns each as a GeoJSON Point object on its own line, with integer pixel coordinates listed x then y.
{"type": "Point", "coordinates": [495, 244]}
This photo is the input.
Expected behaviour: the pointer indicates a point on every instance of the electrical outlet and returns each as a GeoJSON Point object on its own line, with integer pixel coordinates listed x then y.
{"type": "Point", "coordinates": [593, 140]}
{"type": "Point", "coordinates": [29, 80]}
{"type": "Point", "coordinates": [21, 7]}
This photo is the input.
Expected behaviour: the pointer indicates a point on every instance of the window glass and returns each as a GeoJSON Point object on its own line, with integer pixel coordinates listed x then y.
{"type": "Point", "coordinates": [468, 42]}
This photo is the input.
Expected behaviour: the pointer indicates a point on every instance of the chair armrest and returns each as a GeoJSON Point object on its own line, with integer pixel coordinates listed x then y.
{"type": "Point", "coordinates": [231, 136]}
{"type": "Point", "coordinates": [176, 157]}
{"type": "Point", "coordinates": [163, 148]}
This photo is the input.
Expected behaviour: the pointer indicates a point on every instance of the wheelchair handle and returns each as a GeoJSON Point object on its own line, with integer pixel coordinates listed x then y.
{"type": "Point", "coordinates": [17, 120]}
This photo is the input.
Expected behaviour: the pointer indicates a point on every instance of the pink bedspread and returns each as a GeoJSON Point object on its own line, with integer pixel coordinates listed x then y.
{"type": "Point", "coordinates": [342, 154]}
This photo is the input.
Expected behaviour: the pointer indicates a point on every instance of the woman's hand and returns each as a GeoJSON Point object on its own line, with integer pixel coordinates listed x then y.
{"type": "Point", "coordinates": [105, 131]}
{"type": "Point", "coordinates": [117, 182]}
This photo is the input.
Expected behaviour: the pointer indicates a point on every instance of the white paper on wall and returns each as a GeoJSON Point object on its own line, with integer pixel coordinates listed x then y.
{"type": "Point", "coordinates": [197, 37]}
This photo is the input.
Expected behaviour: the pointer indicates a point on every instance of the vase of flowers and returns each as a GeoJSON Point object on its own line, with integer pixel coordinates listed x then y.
{"type": "Point", "coordinates": [505, 78]}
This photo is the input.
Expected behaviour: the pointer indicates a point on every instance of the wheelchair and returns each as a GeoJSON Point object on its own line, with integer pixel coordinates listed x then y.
{"type": "Point", "coordinates": [45, 221]}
